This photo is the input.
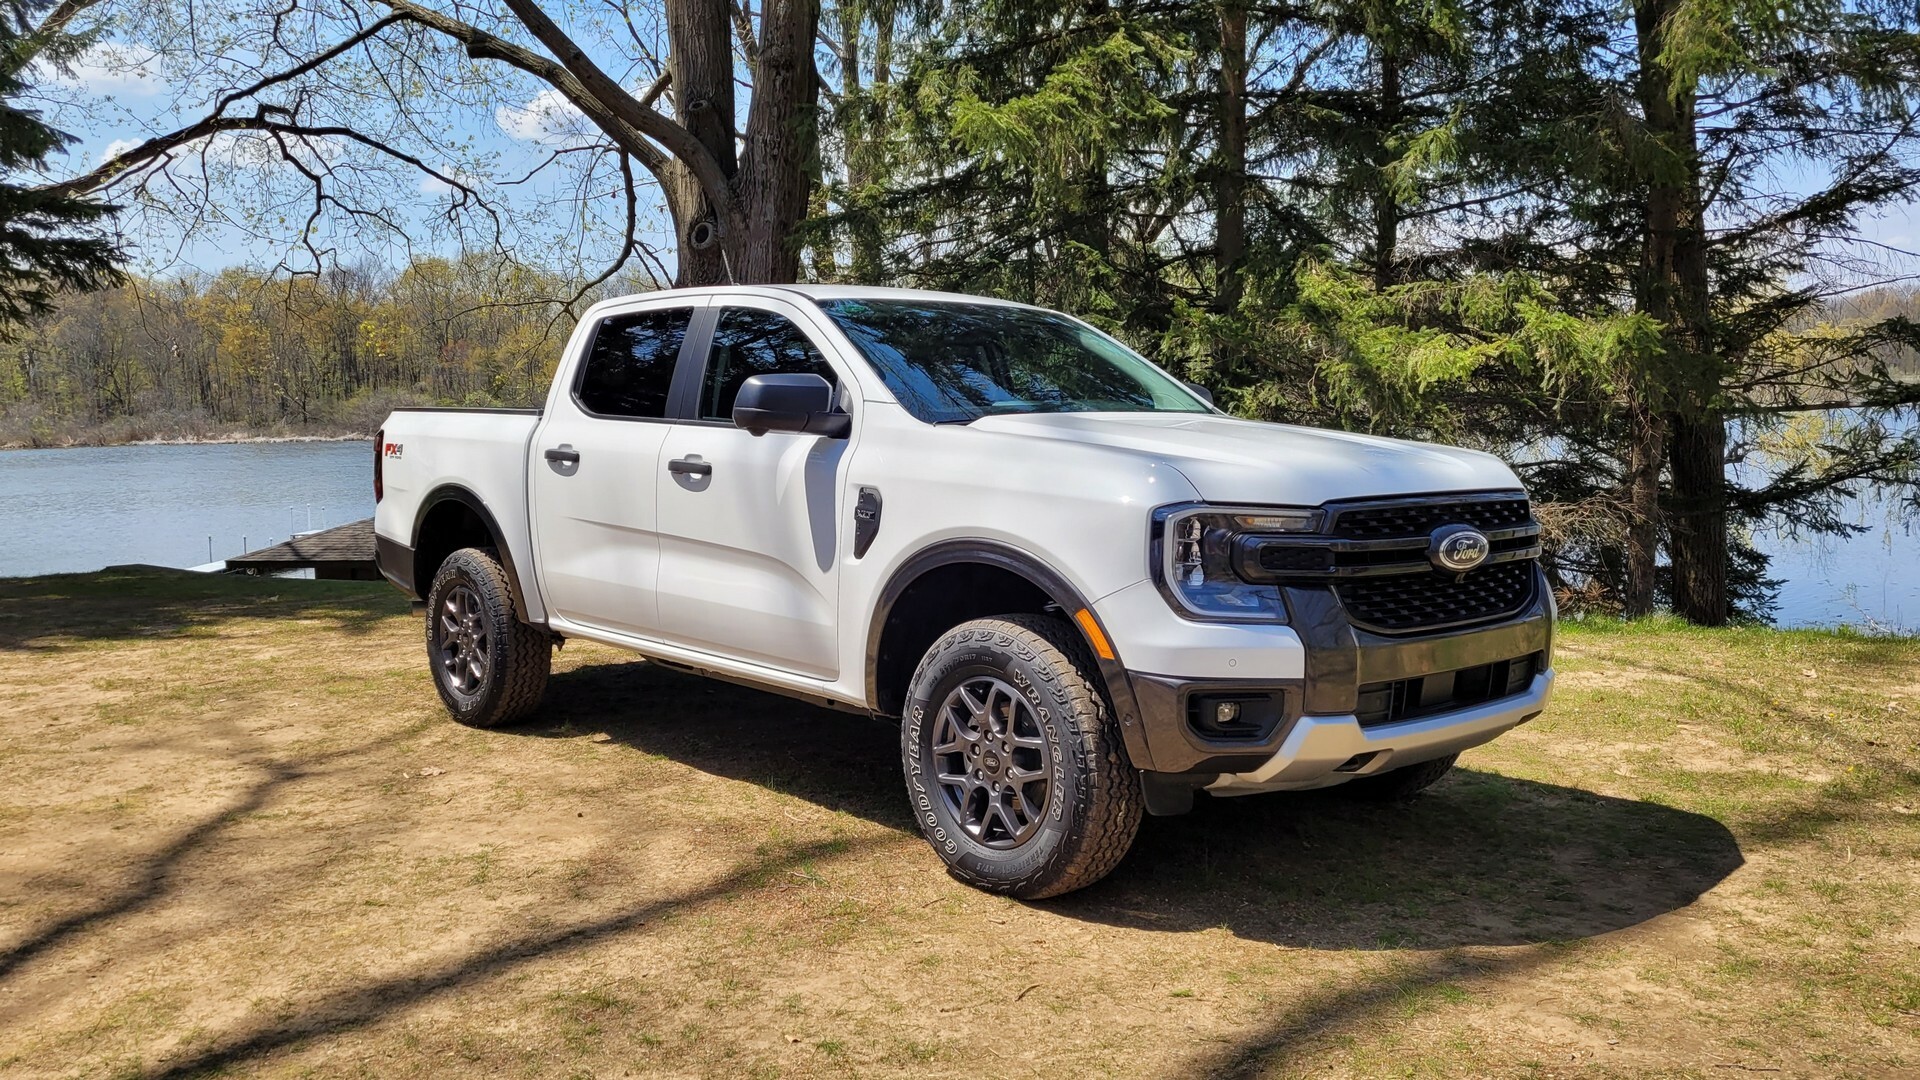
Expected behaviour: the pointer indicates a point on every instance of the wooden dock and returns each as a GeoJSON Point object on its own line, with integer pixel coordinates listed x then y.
{"type": "Point", "coordinates": [342, 553]}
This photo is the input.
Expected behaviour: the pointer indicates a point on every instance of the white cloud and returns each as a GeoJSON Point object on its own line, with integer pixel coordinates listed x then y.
{"type": "Point", "coordinates": [111, 71]}
{"type": "Point", "coordinates": [116, 148]}
{"type": "Point", "coordinates": [548, 118]}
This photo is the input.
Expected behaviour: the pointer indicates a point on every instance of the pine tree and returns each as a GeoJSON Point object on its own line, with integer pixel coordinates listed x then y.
{"type": "Point", "coordinates": [49, 242]}
{"type": "Point", "coordinates": [1729, 154]}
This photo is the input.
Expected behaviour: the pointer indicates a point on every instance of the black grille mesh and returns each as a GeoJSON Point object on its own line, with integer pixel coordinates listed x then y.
{"type": "Point", "coordinates": [1419, 519]}
{"type": "Point", "coordinates": [1404, 699]}
{"type": "Point", "coordinates": [1403, 602]}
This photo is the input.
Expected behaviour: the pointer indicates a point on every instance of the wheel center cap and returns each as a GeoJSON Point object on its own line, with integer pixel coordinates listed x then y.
{"type": "Point", "coordinates": [991, 762]}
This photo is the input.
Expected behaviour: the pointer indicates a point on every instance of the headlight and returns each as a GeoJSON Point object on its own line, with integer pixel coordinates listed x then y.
{"type": "Point", "coordinates": [1195, 552]}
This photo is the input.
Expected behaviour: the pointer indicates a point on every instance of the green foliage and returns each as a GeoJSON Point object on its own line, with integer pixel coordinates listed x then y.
{"type": "Point", "coordinates": [1086, 104]}
{"type": "Point", "coordinates": [49, 242]}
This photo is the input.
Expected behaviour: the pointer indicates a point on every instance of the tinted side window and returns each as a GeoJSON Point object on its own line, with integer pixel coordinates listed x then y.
{"type": "Point", "coordinates": [629, 367]}
{"type": "Point", "coordinates": [747, 343]}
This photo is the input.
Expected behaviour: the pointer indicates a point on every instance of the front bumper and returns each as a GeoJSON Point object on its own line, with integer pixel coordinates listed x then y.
{"type": "Point", "coordinates": [1316, 670]}
{"type": "Point", "coordinates": [1321, 751]}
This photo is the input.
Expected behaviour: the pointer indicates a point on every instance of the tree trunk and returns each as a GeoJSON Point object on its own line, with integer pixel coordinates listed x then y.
{"type": "Point", "coordinates": [1230, 176]}
{"type": "Point", "coordinates": [1645, 447]}
{"type": "Point", "coordinates": [861, 120]}
{"type": "Point", "coordinates": [1090, 216]}
{"type": "Point", "coordinates": [1697, 516]}
{"type": "Point", "coordinates": [700, 59]}
{"type": "Point", "coordinates": [768, 179]}
{"type": "Point", "coordinates": [1674, 288]}
{"type": "Point", "coordinates": [1386, 206]}
{"type": "Point", "coordinates": [770, 191]}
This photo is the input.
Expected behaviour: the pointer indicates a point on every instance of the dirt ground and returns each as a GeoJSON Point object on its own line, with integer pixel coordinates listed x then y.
{"type": "Point", "coordinates": [239, 836]}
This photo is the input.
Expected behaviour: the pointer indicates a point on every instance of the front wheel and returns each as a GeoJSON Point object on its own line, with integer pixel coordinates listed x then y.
{"type": "Point", "coordinates": [490, 668]}
{"type": "Point", "coordinates": [1017, 775]}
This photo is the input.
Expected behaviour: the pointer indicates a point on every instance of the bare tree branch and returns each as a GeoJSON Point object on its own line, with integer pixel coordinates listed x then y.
{"type": "Point", "coordinates": [307, 65]}
{"type": "Point", "coordinates": [678, 141]}
{"type": "Point", "coordinates": [656, 88]}
{"type": "Point", "coordinates": [743, 33]}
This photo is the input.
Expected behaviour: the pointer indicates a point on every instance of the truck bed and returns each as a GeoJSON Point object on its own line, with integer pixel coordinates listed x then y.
{"type": "Point", "coordinates": [426, 452]}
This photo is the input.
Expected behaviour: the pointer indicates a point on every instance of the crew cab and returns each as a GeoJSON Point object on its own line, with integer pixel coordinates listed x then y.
{"type": "Point", "coordinates": [1083, 591]}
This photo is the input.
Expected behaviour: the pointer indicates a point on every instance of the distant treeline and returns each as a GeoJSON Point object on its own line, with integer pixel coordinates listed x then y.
{"type": "Point", "coordinates": [243, 353]}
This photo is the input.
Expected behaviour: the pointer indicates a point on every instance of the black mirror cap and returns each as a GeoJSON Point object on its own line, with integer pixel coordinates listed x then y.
{"type": "Point", "coordinates": [1205, 394]}
{"type": "Point", "coordinates": [801, 403]}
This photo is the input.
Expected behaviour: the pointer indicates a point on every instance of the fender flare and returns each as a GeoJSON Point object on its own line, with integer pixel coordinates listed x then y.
{"type": "Point", "coordinates": [1057, 588]}
{"type": "Point", "coordinates": [454, 493]}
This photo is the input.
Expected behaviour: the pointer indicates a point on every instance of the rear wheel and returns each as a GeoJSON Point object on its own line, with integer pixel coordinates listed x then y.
{"type": "Point", "coordinates": [490, 668]}
{"type": "Point", "coordinates": [1016, 773]}
{"type": "Point", "coordinates": [1399, 785]}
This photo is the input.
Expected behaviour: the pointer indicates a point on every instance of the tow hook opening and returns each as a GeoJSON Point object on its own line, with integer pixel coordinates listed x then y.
{"type": "Point", "coordinates": [1357, 762]}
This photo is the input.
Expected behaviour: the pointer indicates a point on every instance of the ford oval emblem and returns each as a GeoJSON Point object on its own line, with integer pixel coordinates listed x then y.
{"type": "Point", "coordinates": [1458, 548]}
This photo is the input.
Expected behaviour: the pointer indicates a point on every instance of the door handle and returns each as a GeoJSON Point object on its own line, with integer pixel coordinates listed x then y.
{"type": "Point", "coordinates": [564, 454]}
{"type": "Point", "coordinates": [689, 467]}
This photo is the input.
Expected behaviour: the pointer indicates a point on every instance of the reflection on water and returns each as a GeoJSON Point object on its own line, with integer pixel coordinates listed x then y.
{"type": "Point", "coordinates": [1871, 580]}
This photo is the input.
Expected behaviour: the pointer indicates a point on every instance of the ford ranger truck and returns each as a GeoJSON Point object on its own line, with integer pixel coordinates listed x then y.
{"type": "Point", "coordinates": [1082, 591]}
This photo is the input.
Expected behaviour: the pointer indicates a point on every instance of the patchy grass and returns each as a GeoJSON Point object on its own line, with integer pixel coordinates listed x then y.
{"type": "Point", "coordinates": [226, 846]}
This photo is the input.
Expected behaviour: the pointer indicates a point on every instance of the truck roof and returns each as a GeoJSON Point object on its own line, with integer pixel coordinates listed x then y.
{"type": "Point", "coordinates": [819, 293]}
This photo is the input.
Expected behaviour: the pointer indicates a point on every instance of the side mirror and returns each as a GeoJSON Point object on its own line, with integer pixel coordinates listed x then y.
{"type": "Point", "coordinates": [1205, 394]}
{"type": "Point", "coordinates": [797, 403]}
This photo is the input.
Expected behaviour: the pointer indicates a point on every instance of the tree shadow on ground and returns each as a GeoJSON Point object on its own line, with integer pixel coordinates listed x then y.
{"type": "Point", "coordinates": [1482, 859]}
{"type": "Point", "coordinates": [124, 603]}
{"type": "Point", "coordinates": [380, 999]}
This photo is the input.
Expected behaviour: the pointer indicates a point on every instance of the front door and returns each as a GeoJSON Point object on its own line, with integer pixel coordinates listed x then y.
{"type": "Point", "coordinates": [748, 538]}
{"type": "Point", "coordinates": [595, 469]}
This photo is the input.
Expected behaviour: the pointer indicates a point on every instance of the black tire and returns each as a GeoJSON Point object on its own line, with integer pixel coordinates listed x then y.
{"type": "Point", "coordinates": [1089, 803]}
{"type": "Point", "coordinates": [1398, 785]}
{"type": "Point", "coordinates": [493, 670]}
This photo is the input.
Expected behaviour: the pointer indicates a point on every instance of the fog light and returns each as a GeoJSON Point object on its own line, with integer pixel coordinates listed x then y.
{"type": "Point", "coordinates": [1238, 715]}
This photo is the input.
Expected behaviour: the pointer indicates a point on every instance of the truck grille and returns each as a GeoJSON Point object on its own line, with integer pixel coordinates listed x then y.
{"type": "Point", "coordinates": [1430, 599]}
{"type": "Point", "coordinates": [1376, 557]}
{"type": "Point", "coordinates": [1417, 517]}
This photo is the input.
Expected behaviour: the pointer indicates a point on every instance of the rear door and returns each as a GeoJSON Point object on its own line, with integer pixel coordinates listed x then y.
{"type": "Point", "coordinates": [748, 526]}
{"type": "Point", "coordinates": [595, 468]}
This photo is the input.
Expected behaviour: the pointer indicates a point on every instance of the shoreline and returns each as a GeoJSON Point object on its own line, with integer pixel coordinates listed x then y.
{"type": "Point", "coordinates": [196, 440]}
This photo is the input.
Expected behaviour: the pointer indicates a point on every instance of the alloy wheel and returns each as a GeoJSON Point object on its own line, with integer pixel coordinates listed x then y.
{"type": "Point", "coordinates": [992, 762]}
{"type": "Point", "coordinates": [463, 640]}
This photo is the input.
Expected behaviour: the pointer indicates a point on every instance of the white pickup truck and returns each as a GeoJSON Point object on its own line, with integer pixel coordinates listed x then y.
{"type": "Point", "coordinates": [1083, 590]}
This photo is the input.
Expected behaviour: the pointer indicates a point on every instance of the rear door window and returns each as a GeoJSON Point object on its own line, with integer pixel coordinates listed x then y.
{"type": "Point", "coordinates": [749, 342]}
{"type": "Point", "coordinates": [629, 367]}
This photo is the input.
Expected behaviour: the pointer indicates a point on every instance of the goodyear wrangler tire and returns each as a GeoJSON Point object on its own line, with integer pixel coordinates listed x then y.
{"type": "Point", "coordinates": [1015, 770]}
{"type": "Point", "coordinates": [490, 668]}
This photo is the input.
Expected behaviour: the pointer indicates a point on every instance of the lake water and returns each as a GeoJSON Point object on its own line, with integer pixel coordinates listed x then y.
{"type": "Point", "coordinates": [83, 509]}
{"type": "Point", "coordinates": [68, 510]}
{"type": "Point", "coordinates": [1871, 580]}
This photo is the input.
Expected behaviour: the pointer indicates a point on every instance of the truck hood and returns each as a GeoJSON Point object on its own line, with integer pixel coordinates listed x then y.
{"type": "Point", "coordinates": [1230, 460]}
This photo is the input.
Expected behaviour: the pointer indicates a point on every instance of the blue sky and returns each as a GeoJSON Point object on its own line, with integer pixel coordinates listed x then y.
{"type": "Point", "coordinates": [111, 100]}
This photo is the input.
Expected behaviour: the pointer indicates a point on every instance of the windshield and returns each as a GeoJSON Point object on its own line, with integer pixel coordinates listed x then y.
{"type": "Point", "coordinates": [953, 362]}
